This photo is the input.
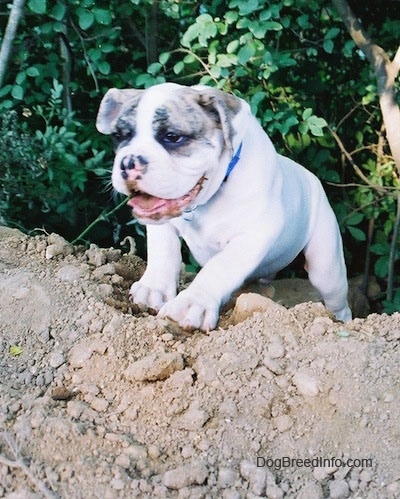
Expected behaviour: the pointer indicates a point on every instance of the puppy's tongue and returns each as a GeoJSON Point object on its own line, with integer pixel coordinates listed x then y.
{"type": "Point", "coordinates": [150, 207]}
{"type": "Point", "coordinates": [145, 202]}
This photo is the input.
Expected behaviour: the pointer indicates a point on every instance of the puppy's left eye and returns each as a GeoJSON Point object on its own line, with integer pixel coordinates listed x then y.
{"type": "Point", "coordinates": [171, 139]}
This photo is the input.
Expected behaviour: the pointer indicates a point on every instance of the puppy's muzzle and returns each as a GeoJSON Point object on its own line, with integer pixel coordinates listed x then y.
{"type": "Point", "coordinates": [132, 166]}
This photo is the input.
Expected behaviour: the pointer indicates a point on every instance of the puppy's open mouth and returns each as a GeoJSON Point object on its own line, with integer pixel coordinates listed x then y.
{"type": "Point", "coordinates": [152, 207]}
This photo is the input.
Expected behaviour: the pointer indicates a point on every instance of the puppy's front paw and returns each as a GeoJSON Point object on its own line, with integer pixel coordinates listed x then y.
{"type": "Point", "coordinates": [143, 295]}
{"type": "Point", "coordinates": [191, 312]}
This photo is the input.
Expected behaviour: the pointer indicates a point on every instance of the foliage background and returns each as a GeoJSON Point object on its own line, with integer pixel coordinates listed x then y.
{"type": "Point", "coordinates": [307, 82]}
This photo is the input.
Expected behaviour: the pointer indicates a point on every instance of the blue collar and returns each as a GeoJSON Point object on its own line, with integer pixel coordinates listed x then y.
{"type": "Point", "coordinates": [234, 161]}
{"type": "Point", "coordinates": [188, 214]}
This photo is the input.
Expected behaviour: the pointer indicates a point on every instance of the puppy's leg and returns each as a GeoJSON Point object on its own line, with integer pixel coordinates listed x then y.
{"type": "Point", "coordinates": [198, 305]}
{"type": "Point", "coordinates": [325, 263]}
{"type": "Point", "coordinates": [160, 280]}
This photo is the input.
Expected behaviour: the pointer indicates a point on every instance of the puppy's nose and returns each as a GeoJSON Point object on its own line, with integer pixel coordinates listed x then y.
{"type": "Point", "coordinates": [132, 162]}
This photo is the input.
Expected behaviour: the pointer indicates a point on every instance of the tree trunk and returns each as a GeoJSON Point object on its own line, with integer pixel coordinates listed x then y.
{"type": "Point", "coordinates": [386, 72]}
{"type": "Point", "coordinates": [151, 33]}
{"type": "Point", "coordinates": [17, 10]}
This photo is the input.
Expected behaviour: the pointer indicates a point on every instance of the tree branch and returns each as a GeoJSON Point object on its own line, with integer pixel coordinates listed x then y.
{"type": "Point", "coordinates": [386, 73]}
{"type": "Point", "coordinates": [14, 18]}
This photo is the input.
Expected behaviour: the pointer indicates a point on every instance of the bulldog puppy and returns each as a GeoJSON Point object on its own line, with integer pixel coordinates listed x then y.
{"type": "Point", "coordinates": [196, 164]}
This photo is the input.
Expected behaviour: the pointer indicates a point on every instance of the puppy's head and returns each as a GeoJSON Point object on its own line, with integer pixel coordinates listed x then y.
{"type": "Point", "coordinates": [172, 144]}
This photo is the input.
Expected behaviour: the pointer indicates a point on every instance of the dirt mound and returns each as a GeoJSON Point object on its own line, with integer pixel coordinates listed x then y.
{"type": "Point", "coordinates": [98, 402]}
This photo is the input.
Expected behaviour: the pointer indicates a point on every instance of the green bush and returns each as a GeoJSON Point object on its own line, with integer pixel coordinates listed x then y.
{"type": "Point", "coordinates": [44, 173]}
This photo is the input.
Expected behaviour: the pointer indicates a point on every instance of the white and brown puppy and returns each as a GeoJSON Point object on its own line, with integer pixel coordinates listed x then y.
{"type": "Point", "coordinates": [197, 165]}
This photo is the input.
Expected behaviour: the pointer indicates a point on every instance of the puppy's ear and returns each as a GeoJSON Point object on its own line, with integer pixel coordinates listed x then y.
{"type": "Point", "coordinates": [111, 106]}
{"type": "Point", "coordinates": [228, 110]}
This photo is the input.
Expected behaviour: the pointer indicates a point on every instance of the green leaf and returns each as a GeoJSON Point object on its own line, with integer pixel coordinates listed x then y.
{"type": "Point", "coordinates": [380, 248]}
{"type": "Point", "coordinates": [357, 233]}
{"type": "Point", "coordinates": [227, 60]}
{"type": "Point", "coordinates": [332, 33]}
{"type": "Point", "coordinates": [381, 266]}
{"type": "Point", "coordinates": [86, 18]}
{"type": "Point", "coordinates": [154, 68]}
{"type": "Point", "coordinates": [17, 92]}
{"type": "Point", "coordinates": [4, 91]}
{"type": "Point", "coordinates": [20, 78]}
{"type": "Point", "coordinates": [231, 16]}
{"type": "Point", "coordinates": [164, 57]}
{"type": "Point", "coordinates": [328, 46]}
{"type": "Point", "coordinates": [103, 16]}
{"type": "Point", "coordinates": [104, 67]}
{"type": "Point", "coordinates": [95, 54]}
{"type": "Point", "coordinates": [37, 6]}
{"type": "Point", "coordinates": [179, 67]}
{"type": "Point", "coordinates": [58, 11]}
{"type": "Point", "coordinates": [33, 71]}
{"type": "Point", "coordinates": [355, 219]}
{"type": "Point", "coordinates": [246, 53]}
{"type": "Point", "coordinates": [15, 350]}
{"type": "Point", "coordinates": [307, 113]}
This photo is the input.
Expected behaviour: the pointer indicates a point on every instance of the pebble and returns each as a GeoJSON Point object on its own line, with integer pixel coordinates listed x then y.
{"type": "Point", "coordinates": [249, 303]}
{"type": "Point", "coordinates": [57, 359]}
{"type": "Point", "coordinates": [195, 473]}
{"type": "Point", "coordinates": [99, 404]}
{"type": "Point", "coordinates": [272, 365]}
{"type": "Point", "coordinates": [75, 408]}
{"type": "Point", "coordinates": [80, 354]}
{"type": "Point", "coordinates": [276, 349]}
{"type": "Point", "coordinates": [339, 489]}
{"type": "Point", "coordinates": [365, 476]}
{"type": "Point", "coordinates": [232, 494]}
{"type": "Point", "coordinates": [136, 452]}
{"type": "Point", "coordinates": [155, 367]}
{"type": "Point", "coordinates": [388, 397]}
{"type": "Point", "coordinates": [283, 423]}
{"type": "Point", "coordinates": [103, 270]}
{"type": "Point", "coordinates": [320, 473]}
{"type": "Point", "coordinates": [95, 256]}
{"type": "Point", "coordinates": [117, 484]}
{"type": "Point", "coordinates": [193, 419]}
{"type": "Point", "coordinates": [61, 393]}
{"type": "Point", "coordinates": [306, 383]}
{"type": "Point", "coordinates": [257, 477]}
{"type": "Point", "coordinates": [311, 490]}
{"type": "Point", "coordinates": [227, 477]}
{"type": "Point", "coordinates": [69, 273]}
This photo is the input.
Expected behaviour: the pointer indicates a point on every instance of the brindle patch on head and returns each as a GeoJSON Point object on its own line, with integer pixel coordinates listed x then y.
{"type": "Point", "coordinates": [182, 116]}
{"type": "Point", "coordinates": [124, 128]}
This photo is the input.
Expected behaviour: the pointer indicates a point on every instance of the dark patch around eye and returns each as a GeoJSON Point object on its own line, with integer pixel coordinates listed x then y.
{"type": "Point", "coordinates": [181, 119]}
{"type": "Point", "coordinates": [124, 130]}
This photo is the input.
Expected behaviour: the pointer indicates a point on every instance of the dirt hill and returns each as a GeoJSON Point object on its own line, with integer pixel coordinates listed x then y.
{"type": "Point", "coordinates": [96, 402]}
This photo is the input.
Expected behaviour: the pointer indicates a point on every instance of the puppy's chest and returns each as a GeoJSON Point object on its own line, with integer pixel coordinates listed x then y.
{"type": "Point", "coordinates": [204, 239]}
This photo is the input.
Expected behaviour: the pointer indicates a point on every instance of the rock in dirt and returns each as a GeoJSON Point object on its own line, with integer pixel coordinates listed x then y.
{"type": "Point", "coordinates": [79, 354]}
{"type": "Point", "coordinates": [193, 419]}
{"type": "Point", "coordinates": [339, 489]}
{"type": "Point", "coordinates": [57, 246]}
{"type": "Point", "coordinates": [306, 382]}
{"type": "Point", "coordinates": [249, 303]}
{"type": "Point", "coordinates": [195, 473]}
{"type": "Point", "coordinates": [155, 367]}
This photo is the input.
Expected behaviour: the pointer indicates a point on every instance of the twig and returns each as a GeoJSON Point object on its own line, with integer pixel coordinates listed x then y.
{"type": "Point", "coordinates": [103, 216]}
{"type": "Point", "coordinates": [19, 463]}
{"type": "Point", "coordinates": [85, 56]}
{"type": "Point", "coordinates": [392, 254]}
{"type": "Point", "coordinates": [199, 59]}
{"type": "Point", "coordinates": [356, 168]}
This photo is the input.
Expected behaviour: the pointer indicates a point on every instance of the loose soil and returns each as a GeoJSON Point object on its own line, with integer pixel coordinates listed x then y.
{"type": "Point", "coordinates": [101, 401]}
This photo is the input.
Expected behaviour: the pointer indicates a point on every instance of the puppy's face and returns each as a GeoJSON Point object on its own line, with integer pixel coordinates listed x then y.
{"type": "Point", "coordinates": [172, 145]}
